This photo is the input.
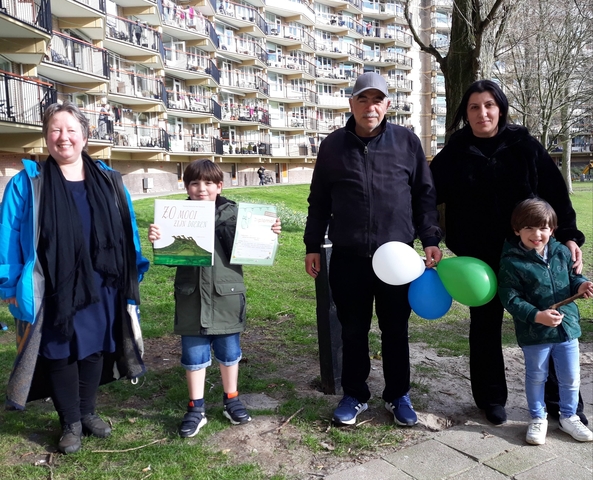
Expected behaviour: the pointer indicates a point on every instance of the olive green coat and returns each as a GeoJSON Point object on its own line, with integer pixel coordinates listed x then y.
{"type": "Point", "coordinates": [211, 300]}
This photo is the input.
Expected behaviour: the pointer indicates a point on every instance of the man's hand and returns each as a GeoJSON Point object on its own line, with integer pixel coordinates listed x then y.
{"type": "Point", "coordinates": [313, 264]}
{"type": "Point", "coordinates": [433, 256]}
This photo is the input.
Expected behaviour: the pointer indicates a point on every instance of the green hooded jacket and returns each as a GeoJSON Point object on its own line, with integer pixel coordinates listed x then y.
{"type": "Point", "coordinates": [527, 284]}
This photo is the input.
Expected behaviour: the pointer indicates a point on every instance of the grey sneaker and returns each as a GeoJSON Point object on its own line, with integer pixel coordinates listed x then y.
{"type": "Point", "coordinates": [93, 425]}
{"type": "Point", "coordinates": [536, 431]}
{"type": "Point", "coordinates": [575, 428]}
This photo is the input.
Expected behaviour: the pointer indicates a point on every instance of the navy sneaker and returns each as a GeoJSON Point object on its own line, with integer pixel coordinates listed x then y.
{"type": "Point", "coordinates": [193, 420]}
{"type": "Point", "coordinates": [348, 409]}
{"type": "Point", "coordinates": [235, 411]}
{"type": "Point", "coordinates": [403, 412]}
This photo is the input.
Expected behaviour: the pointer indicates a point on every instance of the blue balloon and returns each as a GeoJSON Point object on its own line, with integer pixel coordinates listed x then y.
{"type": "Point", "coordinates": [428, 296]}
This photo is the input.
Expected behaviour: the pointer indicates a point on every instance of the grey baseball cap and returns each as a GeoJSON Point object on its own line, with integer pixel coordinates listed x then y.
{"type": "Point", "coordinates": [368, 81]}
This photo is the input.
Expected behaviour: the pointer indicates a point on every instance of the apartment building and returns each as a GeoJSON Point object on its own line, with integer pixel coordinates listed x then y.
{"type": "Point", "coordinates": [243, 83]}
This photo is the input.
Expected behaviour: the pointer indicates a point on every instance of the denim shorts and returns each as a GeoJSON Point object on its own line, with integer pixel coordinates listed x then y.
{"type": "Point", "coordinates": [195, 350]}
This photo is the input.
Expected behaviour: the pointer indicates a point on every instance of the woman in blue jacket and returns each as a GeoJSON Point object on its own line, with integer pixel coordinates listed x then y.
{"type": "Point", "coordinates": [70, 265]}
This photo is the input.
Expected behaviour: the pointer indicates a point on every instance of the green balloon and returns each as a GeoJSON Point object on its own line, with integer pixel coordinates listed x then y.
{"type": "Point", "coordinates": [468, 280]}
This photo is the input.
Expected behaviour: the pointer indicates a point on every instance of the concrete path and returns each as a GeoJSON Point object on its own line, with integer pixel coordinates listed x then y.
{"type": "Point", "coordinates": [481, 451]}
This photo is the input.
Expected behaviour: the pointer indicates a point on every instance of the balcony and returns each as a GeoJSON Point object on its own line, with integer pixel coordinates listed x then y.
{"type": "Point", "coordinates": [293, 146]}
{"type": "Point", "coordinates": [131, 136]}
{"type": "Point", "coordinates": [252, 113]}
{"type": "Point", "coordinates": [191, 143]}
{"type": "Point", "coordinates": [287, 64]}
{"type": "Point", "coordinates": [387, 58]}
{"type": "Point", "coordinates": [403, 108]}
{"type": "Point", "coordinates": [340, 25]}
{"type": "Point", "coordinates": [335, 101]}
{"type": "Point", "coordinates": [189, 105]}
{"type": "Point", "coordinates": [186, 28]}
{"type": "Point", "coordinates": [289, 36]}
{"type": "Point", "coordinates": [75, 62]}
{"type": "Point", "coordinates": [245, 18]}
{"type": "Point", "coordinates": [131, 88]}
{"type": "Point", "coordinates": [86, 16]}
{"type": "Point", "coordinates": [399, 83]}
{"type": "Point", "coordinates": [290, 94]}
{"type": "Point", "coordinates": [189, 66]}
{"type": "Point", "coordinates": [339, 50]}
{"type": "Point", "coordinates": [243, 50]}
{"type": "Point", "coordinates": [22, 103]}
{"type": "Point", "coordinates": [26, 30]}
{"type": "Point", "coordinates": [330, 125]}
{"type": "Point", "coordinates": [242, 81]}
{"type": "Point", "coordinates": [134, 40]}
{"type": "Point", "coordinates": [291, 8]}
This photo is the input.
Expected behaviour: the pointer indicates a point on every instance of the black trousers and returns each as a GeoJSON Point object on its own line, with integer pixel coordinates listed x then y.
{"type": "Point", "coordinates": [355, 288]}
{"type": "Point", "coordinates": [486, 362]}
{"type": "Point", "coordinates": [74, 385]}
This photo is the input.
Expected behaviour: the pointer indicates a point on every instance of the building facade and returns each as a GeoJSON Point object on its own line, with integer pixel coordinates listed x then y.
{"type": "Point", "coordinates": [243, 83]}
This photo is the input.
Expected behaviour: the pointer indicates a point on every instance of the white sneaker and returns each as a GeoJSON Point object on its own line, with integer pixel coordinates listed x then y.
{"type": "Point", "coordinates": [536, 431]}
{"type": "Point", "coordinates": [575, 428]}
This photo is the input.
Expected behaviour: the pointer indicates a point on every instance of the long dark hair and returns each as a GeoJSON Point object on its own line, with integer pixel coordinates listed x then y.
{"type": "Point", "coordinates": [481, 86]}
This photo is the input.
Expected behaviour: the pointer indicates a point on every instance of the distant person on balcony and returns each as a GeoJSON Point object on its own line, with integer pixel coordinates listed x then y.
{"type": "Point", "coordinates": [138, 32]}
{"type": "Point", "coordinates": [105, 120]}
{"type": "Point", "coordinates": [371, 185]}
{"type": "Point", "coordinates": [369, 28]}
{"type": "Point", "coordinates": [482, 173]}
{"type": "Point", "coordinates": [70, 264]}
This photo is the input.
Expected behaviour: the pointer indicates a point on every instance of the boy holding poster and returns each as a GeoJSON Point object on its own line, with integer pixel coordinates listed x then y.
{"type": "Point", "coordinates": [210, 304]}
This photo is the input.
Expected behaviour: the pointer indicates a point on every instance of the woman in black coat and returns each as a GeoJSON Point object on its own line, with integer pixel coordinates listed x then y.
{"type": "Point", "coordinates": [484, 171]}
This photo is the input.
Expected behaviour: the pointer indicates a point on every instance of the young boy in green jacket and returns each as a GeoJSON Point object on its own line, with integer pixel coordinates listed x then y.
{"type": "Point", "coordinates": [536, 273]}
{"type": "Point", "coordinates": [210, 304]}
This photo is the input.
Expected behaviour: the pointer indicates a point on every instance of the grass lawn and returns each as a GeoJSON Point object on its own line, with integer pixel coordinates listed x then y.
{"type": "Point", "coordinates": [281, 311]}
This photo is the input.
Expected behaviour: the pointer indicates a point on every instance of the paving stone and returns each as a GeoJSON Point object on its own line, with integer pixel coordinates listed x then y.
{"type": "Point", "coordinates": [520, 460]}
{"type": "Point", "coordinates": [373, 470]}
{"type": "Point", "coordinates": [259, 401]}
{"type": "Point", "coordinates": [555, 469]}
{"type": "Point", "coordinates": [430, 460]}
{"type": "Point", "coordinates": [564, 446]}
{"type": "Point", "coordinates": [480, 472]}
{"type": "Point", "coordinates": [479, 444]}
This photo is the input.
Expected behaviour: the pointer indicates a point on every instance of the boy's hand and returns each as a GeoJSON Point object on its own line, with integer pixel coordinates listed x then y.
{"type": "Point", "coordinates": [277, 227]}
{"type": "Point", "coordinates": [549, 318]}
{"type": "Point", "coordinates": [586, 289]}
{"type": "Point", "coordinates": [154, 233]}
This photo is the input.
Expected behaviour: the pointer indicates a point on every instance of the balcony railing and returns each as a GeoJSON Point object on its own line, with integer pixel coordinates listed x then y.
{"type": "Point", "coordinates": [141, 136]}
{"type": "Point", "coordinates": [330, 125]}
{"type": "Point", "coordinates": [246, 113]}
{"type": "Point", "coordinates": [135, 33]}
{"type": "Point", "coordinates": [191, 143]}
{"type": "Point", "coordinates": [295, 93]}
{"type": "Point", "coordinates": [186, 19]}
{"type": "Point", "coordinates": [243, 12]}
{"type": "Point", "coordinates": [292, 33]}
{"type": "Point", "coordinates": [24, 100]}
{"type": "Point", "coordinates": [134, 84]}
{"type": "Point", "coordinates": [191, 61]}
{"type": "Point", "coordinates": [77, 54]}
{"type": "Point", "coordinates": [245, 47]}
{"type": "Point", "coordinates": [189, 102]}
{"type": "Point", "coordinates": [94, 4]}
{"type": "Point", "coordinates": [292, 63]}
{"type": "Point", "coordinates": [399, 83]}
{"type": "Point", "coordinates": [36, 13]}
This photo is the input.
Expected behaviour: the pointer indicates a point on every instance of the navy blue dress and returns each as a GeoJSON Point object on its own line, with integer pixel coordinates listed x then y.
{"type": "Point", "coordinates": [93, 326]}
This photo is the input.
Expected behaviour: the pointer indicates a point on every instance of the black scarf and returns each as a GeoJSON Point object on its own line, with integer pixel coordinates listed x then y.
{"type": "Point", "coordinates": [67, 264]}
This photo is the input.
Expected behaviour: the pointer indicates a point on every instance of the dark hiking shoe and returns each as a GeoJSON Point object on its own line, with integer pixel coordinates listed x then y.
{"type": "Point", "coordinates": [70, 441]}
{"type": "Point", "coordinates": [93, 425]}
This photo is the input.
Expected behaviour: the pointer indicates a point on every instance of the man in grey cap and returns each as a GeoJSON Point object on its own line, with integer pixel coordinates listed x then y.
{"type": "Point", "coordinates": [371, 185]}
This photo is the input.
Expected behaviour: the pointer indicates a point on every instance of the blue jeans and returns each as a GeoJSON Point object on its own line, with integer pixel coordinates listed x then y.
{"type": "Point", "coordinates": [566, 361]}
{"type": "Point", "coordinates": [195, 350]}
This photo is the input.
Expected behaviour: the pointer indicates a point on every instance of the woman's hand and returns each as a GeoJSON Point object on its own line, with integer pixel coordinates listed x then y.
{"type": "Point", "coordinates": [154, 233]}
{"type": "Point", "coordinates": [576, 255]}
{"type": "Point", "coordinates": [277, 227]}
{"type": "Point", "coordinates": [549, 318]}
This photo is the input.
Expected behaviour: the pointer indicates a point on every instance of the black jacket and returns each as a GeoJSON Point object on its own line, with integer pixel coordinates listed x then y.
{"type": "Point", "coordinates": [371, 194]}
{"type": "Point", "coordinates": [481, 192]}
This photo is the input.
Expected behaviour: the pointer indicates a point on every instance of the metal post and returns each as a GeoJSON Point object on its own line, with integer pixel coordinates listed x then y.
{"type": "Point", "coordinates": [329, 330]}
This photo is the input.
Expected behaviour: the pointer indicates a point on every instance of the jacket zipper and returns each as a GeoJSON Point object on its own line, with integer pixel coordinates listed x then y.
{"type": "Point", "coordinates": [366, 169]}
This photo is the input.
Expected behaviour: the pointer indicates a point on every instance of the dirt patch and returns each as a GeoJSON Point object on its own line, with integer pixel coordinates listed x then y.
{"type": "Point", "coordinates": [441, 395]}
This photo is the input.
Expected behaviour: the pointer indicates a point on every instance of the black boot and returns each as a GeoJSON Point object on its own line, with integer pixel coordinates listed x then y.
{"type": "Point", "coordinates": [70, 441]}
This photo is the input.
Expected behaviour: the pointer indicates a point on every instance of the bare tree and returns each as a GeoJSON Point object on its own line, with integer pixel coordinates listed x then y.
{"type": "Point", "coordinates": [547, 71]}
{"type": "Point", "coordinates": [475, 29]}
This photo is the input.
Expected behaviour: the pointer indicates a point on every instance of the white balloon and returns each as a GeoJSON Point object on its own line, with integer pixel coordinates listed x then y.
{"type": "Point", "coordinates": [397, 263]}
